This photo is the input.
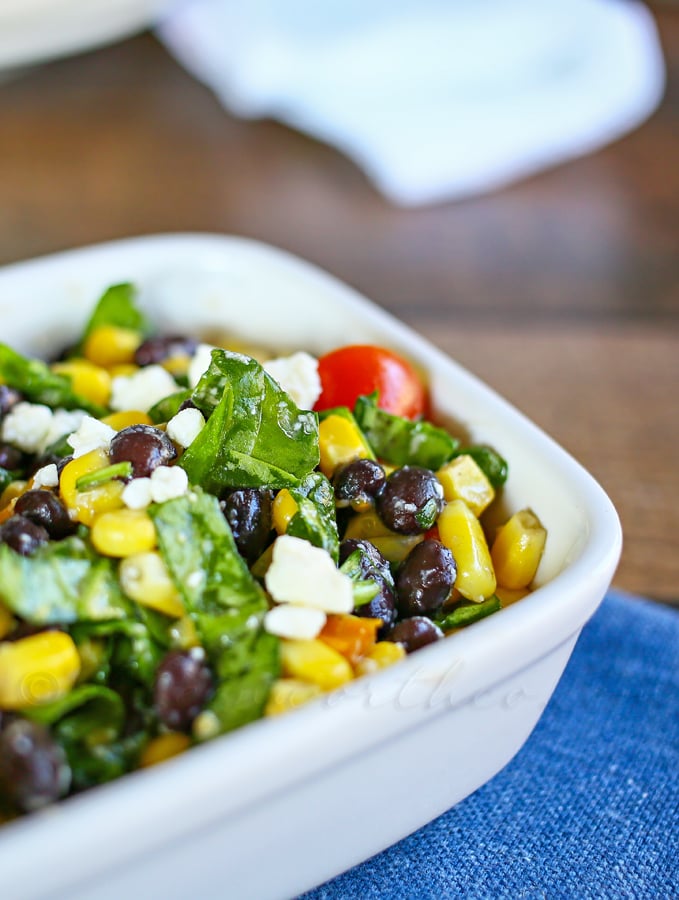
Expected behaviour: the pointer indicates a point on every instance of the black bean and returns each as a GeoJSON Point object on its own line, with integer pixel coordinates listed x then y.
{"type": "Point", "coordinates": [248, 512]}
{"type": "Point", "coordinates": [183, 685]}
{"type": "Point", "coordinates": [425, 579]}
{"type": "Point", "coordinates": [9, 397]}
{"type": "Point", "coordinates": [33, 767]}
{"type": "Point", "coordinates": [46, 509]}
{"type": "Point", "coordinates": [187, 404]}
{"type": "Point", "coordinates": [157, 349]}
{"type": "Point", "coordinates": [414, 633]}
{"type": "Point", "coordinates": [11, 457]}
{"type": "Point", "coordinates": [144, 446]}
{"type": "Point", "coordinates": [22, 535]}
{"type": "Point", "coordinates": [358, 483]}
{"type": "Point", "coordinates": [411, 500]}
{"type": "Point", "coordinates": [373, 565]}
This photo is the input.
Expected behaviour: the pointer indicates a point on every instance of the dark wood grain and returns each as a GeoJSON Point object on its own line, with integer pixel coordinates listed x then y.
{"type": "Point", "coordinates": [561, 291]}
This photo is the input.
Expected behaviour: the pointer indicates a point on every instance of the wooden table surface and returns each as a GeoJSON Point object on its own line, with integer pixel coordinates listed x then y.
{"type": "Point", "coordinates": [561, 291]}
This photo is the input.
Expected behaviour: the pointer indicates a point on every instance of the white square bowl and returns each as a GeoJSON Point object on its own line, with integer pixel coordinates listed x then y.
{"type": "Point", "coordinates": [284, 804]}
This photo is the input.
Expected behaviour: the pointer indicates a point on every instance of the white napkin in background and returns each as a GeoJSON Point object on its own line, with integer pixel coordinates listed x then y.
{"type": "Point", "coordinates": [434, 99]}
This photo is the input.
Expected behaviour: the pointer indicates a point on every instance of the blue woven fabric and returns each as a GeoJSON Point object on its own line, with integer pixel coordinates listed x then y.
{"type": "Point", "coordinates": [590, 806]}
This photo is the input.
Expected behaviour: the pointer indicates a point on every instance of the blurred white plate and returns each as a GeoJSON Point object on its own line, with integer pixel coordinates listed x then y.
{"type": "Point", "coordinates": [33, 31]}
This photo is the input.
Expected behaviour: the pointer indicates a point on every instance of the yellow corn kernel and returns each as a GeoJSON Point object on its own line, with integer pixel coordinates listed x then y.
{"type": "Point", "coordinates": [37, 669]}
{"type": "Point", "coordinates": [124, 369]}
{"type": "Point", "coordinates": [339, 442]}
{"type": "Point", "coordinates": [6, 621]}
{"type": "Point", "coordinates": [123, 532]}
{"type": "Point", "coordinates": [163, 747]}
{"type": "Point", "coordinates": [289, 693]}
{"type": "Point", "coordinates": [120, 420]}
{"type": "Point", "coordinates": [517, 549]}
{"type": "Point", "coordinates": [382, 655]}
{"type": "Point", "coordinates": [284, 508]}
{"type": "Point", "coordinates": [463, 479]}
{"type": "Point", "coordinates": [88, 380]}
{"type": "Point", "coordinates": [85, 506]}
{"type": "Point", "coordinates": [144, 578]}
{"type": "Point", "coordinates": [110, 345]}
{"type": "Point", "coordinates": [183, 633]}
{"type": "Point", "coordinates": [13, 490]}
{"type": "Point", "coordinates": [177, 365]}
{"type": "Point", "coordinates": [394, 547]}
{"type": "Point", "coordinates": [462, 534]}
{"type": "Point", "coordinates": [315, 662]}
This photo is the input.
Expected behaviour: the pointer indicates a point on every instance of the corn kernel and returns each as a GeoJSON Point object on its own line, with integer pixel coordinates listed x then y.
{"type": "Point", "coordinates": [37, 669]}
{"type": "Point", "coordinates": [177, 365]}
{"type": "Point", "coordinates": [6, 621]}
{"type": "Point", "coordinates": [13, 490]}
{"type": "Point", "coordinates": [315, 662]}
{"type": "Point", "coordinates": [163, 747]}
{"type": "Point", "coordinates": [517, 549]}
{"type": "Point", "coordinates": [183, 633]}
{"type": "Point", "coordinates": [462, 534]}
{"type": "Point", "coordinates": [284, 509]}
{"type": "Point", "coordinates": [110, 345]}
{"type": "Point", "coordinates": [88, 380]}
{"type": "Point", "coordinates": [463, 479]}
{"type": "Point", "coordinates": [340, 442]}
{"type": "Point", "coordinates": [381, 656]}
{"type": "Point", "coordinates": [289, 693]}
{"type": "Point", "coordinates": [123, 532]}
{"type": "Point", "coordinates": [144, 578]}
{"type": "Point", "coordinates": [85, 506]}
{"type": "Point", "coordinates": [124, 370]}
{"type": "Point", "coordinates": [120, 420]}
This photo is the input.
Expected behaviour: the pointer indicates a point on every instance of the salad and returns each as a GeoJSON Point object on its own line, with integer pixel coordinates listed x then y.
{"type": "Point", "coordinates": [193, 537]}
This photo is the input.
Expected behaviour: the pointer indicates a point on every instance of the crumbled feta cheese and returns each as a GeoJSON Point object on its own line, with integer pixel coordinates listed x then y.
{"type": "Point", "coordinates": [298, 376]}
{"type": "Point", "coordinates": [200, 363]}
{"type": "Point", "coordinates": [64, 421]}
{"type": "Point", "coordinates": [185, 427]}
{"type": "Point", "coordinates": [26, 426]}
{"type": "Point", "coordinates": [47, 476]}
{"type": "Point", "coordinates": [307, 576]}
{"type": "Point", "coordinates": [168, 482]}
{"type": "Point", "coordinates": [137, 493]}
{"type": "Point", "coordinates": [297, 622]}
{"type": "Point", "coordinates": [142, 389]}
{"type": "Point", "coordinates": [90, 435]}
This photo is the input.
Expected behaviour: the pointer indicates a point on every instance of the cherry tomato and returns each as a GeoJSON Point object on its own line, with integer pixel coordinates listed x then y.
{"type": "Point", "coordinates": [358, 369]}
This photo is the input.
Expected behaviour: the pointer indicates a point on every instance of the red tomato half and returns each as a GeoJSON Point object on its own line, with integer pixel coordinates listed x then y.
{"type": "Point", "coordinates": [348, 372]}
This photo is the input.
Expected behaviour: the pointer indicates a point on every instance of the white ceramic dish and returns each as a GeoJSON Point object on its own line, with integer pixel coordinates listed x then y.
{"type": "Point", "coordinates": [285, 804]}
{"type": "Point", "coordinates": [33, 31]}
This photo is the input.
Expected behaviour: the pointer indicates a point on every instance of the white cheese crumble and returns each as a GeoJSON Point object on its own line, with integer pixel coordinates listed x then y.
{"type": "Point", "coordinates": [64, 421]}
{"type": "Point", "coordinates": [137, 493]}
{"type": "Point", "coordinates": [298, 376]}
{"type": "Point", "coordinates": [141, 389]}
{"type": "Point", "coordinates": [307, 576]}
{"type": "Point", "coordinates": [168, 482]}
{"type": "Point", "coordinates": [297, 622]}
{"type": "Point", "coordinates": [90, 435]}
{"type": "Point", "coordinates": [47, 476]}
{"type": "Point", "coordinates": [200, 363]}
{"type": "Point", "coordinates": [26, 426]}
{"type": "Point", "coordinates": [185, 427]}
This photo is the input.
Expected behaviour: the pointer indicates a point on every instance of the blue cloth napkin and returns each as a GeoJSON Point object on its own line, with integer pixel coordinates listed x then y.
{"type": "Point", "coordinates": [590, 806]}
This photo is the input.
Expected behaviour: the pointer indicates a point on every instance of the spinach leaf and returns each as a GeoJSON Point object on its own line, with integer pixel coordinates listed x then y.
{"type": "Point", "coordinates": [117, 307]}
{"type": "Point", "coordinates": [489, 461]}
{"type": "Point", "coordinates": [133, 649]}
{"type": "Point", "coordinates": [99, 708]}
{"type": "Point", "coordinates": [165, 409]}
{"type": "Point", "coordinates": [401, 441]}
{"type": "Point", "coordinates": [468, 613]}
{"type": "Point", "coordinates": [6, 478]}
{"type": "Point", "coordinates": [224, 600]}
{"type": "Point", "coordinates": [315, 519]}
{"type": "Point", "coordinates": [36, 381]}
{"type": "Point", "coordinates": [255, 435]}
{"type": "Point", "coordinates": [61, 583]}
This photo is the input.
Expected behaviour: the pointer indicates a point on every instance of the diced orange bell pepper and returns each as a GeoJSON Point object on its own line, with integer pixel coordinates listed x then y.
{"type": "Point", "coordinates": [352, 636]}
